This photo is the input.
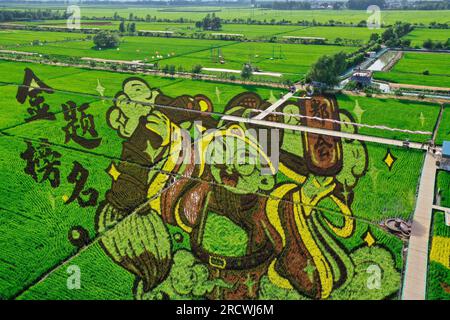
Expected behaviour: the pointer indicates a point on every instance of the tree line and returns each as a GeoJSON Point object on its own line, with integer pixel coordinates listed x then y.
{"type": "Point", "coordinates": [436, 44]}
{"type": "Point", "coordinates": [47, 14]}
{"type": "Point", "coordinates": [327, 70]}
{"type": "Point", "coordinates": [364, 4]}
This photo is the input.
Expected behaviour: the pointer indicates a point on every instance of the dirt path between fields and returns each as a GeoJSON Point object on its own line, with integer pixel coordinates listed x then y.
{"type": "Point", "coordinates": [415, 86]}
{"type": "Point", "coordinates": [414, 287]}
{"type": "Point", "coordinates": [390, 96]}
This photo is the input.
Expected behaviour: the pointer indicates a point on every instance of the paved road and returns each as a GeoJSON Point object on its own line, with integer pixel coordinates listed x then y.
{"type": "Point", "coordinates": [414, 282]}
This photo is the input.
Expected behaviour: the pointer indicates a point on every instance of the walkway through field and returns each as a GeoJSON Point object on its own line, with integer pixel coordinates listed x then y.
{"type": "Point", "coordinates": [277, 104]}
{"type": "Point", "coordinates": [415, 278]}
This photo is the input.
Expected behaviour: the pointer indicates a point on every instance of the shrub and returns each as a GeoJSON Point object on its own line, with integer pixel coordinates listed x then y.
{"type": "Point", "coordinates": [106, 39]}
{"type": "Point", "coordinates": [197, 69]}
{"type": "Point", "coordinates": [247, 71]}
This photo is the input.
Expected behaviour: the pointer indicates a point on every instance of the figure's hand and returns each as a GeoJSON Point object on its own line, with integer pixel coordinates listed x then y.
{"type": "Point", "coordinates": [160, 124]}
{"type": "Point", "coordinates": [135, 101]}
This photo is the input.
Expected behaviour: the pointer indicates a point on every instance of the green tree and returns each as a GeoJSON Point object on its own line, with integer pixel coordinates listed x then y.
{"type": "Point", "coordinates": [247, 71]}
{"type": "Point", "coordinates": [132, 27]}
{"type": "Point", "coordinates": [172, 69]}
{"type": "Point", "coordinates": [106, 39]}
{"type": "Point", "coordinates": [122, 26]}
{"type": "Point", "coordinates": [210, 23]}
{"type": "Point", "coordinates": [197, 69]}
{"type": "Point", "coordinates": [327, 69]}
{"type": "Point", "coordinates": [428, 44]}
{"type": "Point", "coordinates": [374, 37]}
{"type": "Point", "coordinates": [388, 34]}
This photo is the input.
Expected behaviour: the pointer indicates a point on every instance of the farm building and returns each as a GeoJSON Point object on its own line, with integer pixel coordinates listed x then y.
{"type": "Point", "coordinates": [362, 77]}
{"type": "Point", "coordinates": [445, 161]}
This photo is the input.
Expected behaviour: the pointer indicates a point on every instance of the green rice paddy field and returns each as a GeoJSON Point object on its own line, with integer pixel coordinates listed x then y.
{"type": "Point", "coordinates": [36, 221]}
{"type": "Point", "coordinates": [259, 32]}
{"type": "Point", "coordinates": [410, 70]}
{"type": "Point", "coordinates": [443, 188]}
{"type": "Point", "coordinates": [439, 266]}
{"type": "Point", "coordinates": [444, 128]}
{"type": "Point", "coordinates": [292, 60]}
{"type": "Point", "coordinates": [195, 13]}
{"type": "Point", "coordinates": [419, 35]}
{"type": "Point", "coordinates": [13, 38]}
{"type": "Point", "coordinates": [35, 218]}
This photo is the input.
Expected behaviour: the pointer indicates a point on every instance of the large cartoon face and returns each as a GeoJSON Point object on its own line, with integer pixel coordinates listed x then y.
{"type": "Point", "coordinates": [236, 162]}
{"type": "Point", "coordinates": [134, 101]}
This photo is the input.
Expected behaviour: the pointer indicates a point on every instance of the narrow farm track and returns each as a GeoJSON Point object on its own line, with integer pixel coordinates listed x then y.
{"type": "Point", "coordinates": [438, 123]}
{"type": "Point", "coordinates": [274, 107]}
{"type": "Point", "coordinates": [419, 87]}
{"type": "Point", "coordinates": [417, 259]}
{"type": "Point", "coordinates": [414, 287]}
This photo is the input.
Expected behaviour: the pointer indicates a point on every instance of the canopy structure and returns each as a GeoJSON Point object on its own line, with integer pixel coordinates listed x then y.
{"type": "Point", "coordinates": [446, 149]}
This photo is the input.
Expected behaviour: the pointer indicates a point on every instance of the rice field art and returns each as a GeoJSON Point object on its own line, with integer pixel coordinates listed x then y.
{"type": "Point", "coordinates": [149, 196]}
{"type": "Point", "coordinates": [224, 157]}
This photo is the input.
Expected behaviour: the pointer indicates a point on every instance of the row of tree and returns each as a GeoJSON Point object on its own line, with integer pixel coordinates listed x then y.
{"type": "Point", "coordinates": [14, 15]}
{"type": "Point", "coordinates": [430, 5]}
{"type": "Point", "coordinates": [129, 27]}
{"type": "Point", "coordinates": [288, 5]}
{"type": "Point", "coordinates": [364, 4]}
{"type": "Point", "coordinates": [392, 36]}
{"type": "Point", "coordinates": [436, 44]}
{"type": "Point", "coordinates": [327, 70]}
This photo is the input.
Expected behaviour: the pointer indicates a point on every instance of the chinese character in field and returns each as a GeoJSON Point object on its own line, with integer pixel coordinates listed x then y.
{"type": "Point", "coordinates": [42, 163]}
{"type": "Point", "coordinates": [320, 110]}
{"type": "Point", "coordinates": [79, 176]}
{"type": "Point", "coordinates": [32, 88]}
{"type": "Point", "coordinates": [323, 148]}
{"type": "Point", "coordinates": [80, 124]}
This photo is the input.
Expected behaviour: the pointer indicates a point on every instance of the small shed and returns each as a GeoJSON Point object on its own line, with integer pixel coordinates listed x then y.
{"type": "Point", "coordinates": [444, 161]}
{"type": "Point", "coordinates": [446, 150]}
{"type": "Point", "coordinates": [362, 77]}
